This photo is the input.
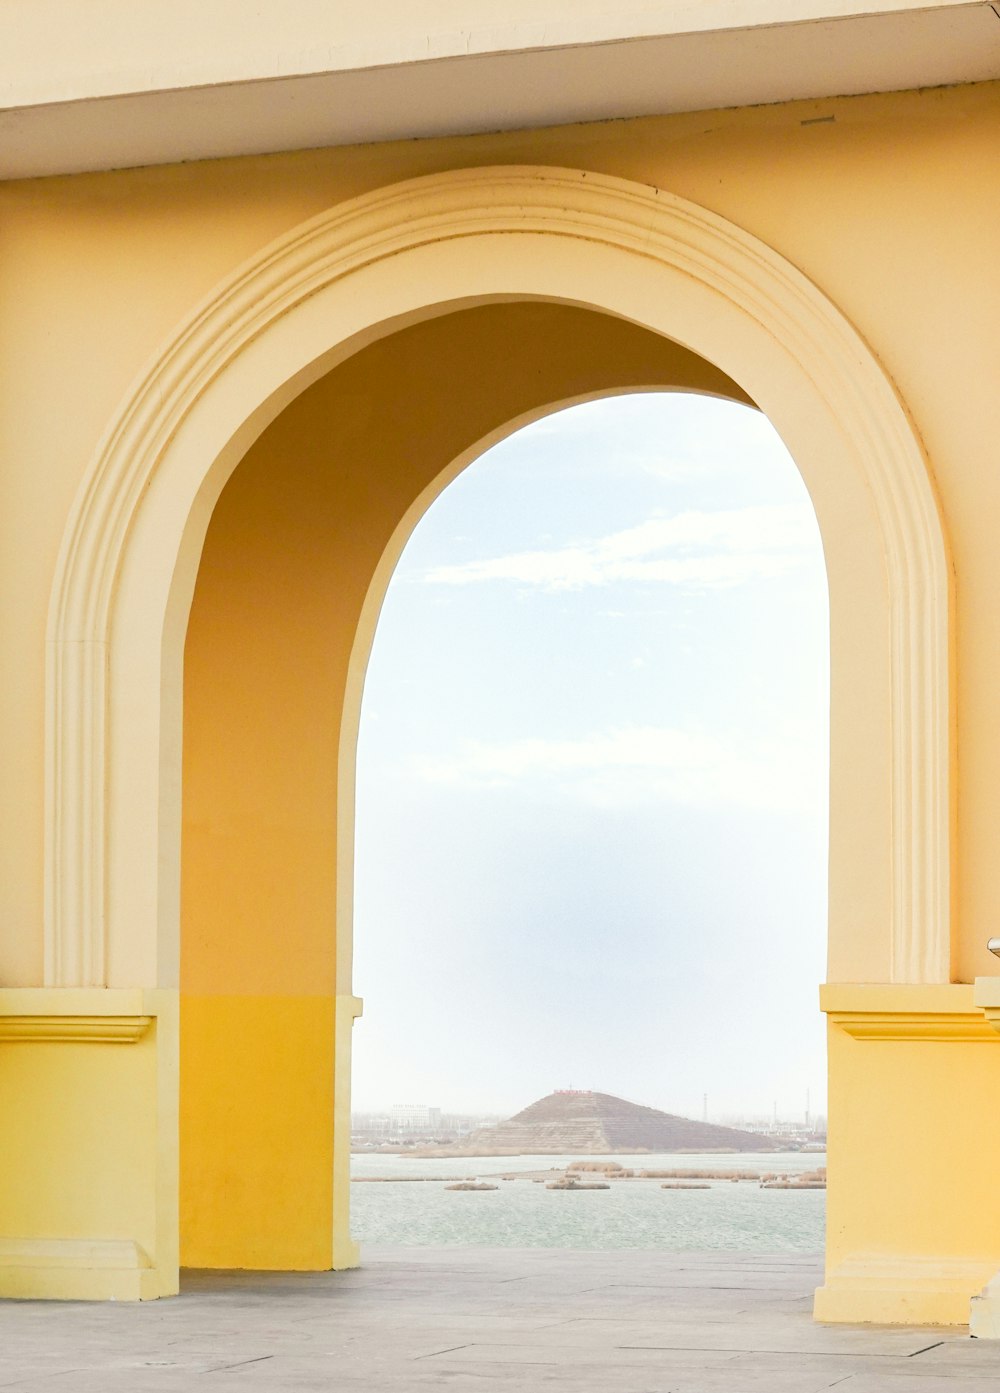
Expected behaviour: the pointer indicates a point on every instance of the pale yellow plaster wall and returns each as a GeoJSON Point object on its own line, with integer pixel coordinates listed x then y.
{"type": "Point", "coordinates": [889, 206]}
{"type": "Point", "coordinates": [88, 1089]}
{"type": "Point", "coordinates": [294, 542]}
{"type": "Point", "coordinates": [48, 1087]}
{"type": "Point", "coordinates": [911, 1228]}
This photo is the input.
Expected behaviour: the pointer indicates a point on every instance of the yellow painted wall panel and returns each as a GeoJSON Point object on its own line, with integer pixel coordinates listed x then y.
{"type": "Point", "coordinates": [79, 1153]}
{"type": "Point", "coordinates": [256, 1150]}
{"type": "Point", "coordinates": [912, 1229]}
{"type": "Point", "coordinates": [913, 1145]}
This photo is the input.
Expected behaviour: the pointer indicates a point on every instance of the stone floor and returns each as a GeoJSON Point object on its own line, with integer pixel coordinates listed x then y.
{"type": "Point", "coordinates": [478, 1319]}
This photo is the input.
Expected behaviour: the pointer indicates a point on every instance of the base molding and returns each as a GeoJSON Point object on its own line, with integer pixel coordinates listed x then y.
{"type": "Point", "coordinates": [876, 1290]}
{"type": "Point", "coordinates": [77, 1269]}
{"type": "Point", "coordinates": [984, 1318]}
{"type": "Point", "coordinates": [346, 1253]}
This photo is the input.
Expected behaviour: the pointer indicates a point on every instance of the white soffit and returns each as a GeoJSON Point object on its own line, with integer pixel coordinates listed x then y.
{"type": "Point", "coordinates": [484, 90]}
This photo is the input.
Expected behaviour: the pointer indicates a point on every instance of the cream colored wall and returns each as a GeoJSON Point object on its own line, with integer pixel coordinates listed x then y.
{"type": "Point", "coordinates": [889, 207]}
{"type": "Point", "coordinates": [294, 542]}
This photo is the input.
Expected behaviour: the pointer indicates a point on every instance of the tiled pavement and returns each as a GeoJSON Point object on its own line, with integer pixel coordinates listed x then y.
{"type": "Point", "coordinates": [477, 1319]}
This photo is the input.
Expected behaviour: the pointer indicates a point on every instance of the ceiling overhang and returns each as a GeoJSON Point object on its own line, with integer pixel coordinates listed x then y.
{"type": "Point", "coordinates": [406, 85]}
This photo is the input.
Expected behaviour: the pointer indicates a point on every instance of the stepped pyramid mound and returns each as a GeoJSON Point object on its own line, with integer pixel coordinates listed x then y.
{"type": "Point", "coordinates": [597, 1124]}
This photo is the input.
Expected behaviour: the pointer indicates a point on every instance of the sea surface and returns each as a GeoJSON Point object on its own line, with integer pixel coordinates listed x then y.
{"type": "Point", "coordinates": [631, 1214]}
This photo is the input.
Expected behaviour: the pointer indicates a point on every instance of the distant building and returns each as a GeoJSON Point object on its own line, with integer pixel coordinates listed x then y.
{"type": "Point", "coordinates": [410, 1122]}
{"type": "Point", "coordinates": [414, 1117]}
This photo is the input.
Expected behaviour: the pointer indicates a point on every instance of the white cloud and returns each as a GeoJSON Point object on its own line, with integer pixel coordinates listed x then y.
{"type": "Point", "coordinates": [640, 764]}
{"type": "Point", "coordinates": [697, 550]}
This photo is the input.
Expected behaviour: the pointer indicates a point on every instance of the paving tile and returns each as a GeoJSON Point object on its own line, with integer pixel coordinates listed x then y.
{"type": "Point", "coordinates": [914, 1382]}
{"type": "Point", "coordinates": [956, 1350]}
{"type": "Point", "coordinates": [472, 1319]}
{"type": "Point", "coordinates": [790, 1339]}
{"type": "Point", "coordinates": [565, 1356]}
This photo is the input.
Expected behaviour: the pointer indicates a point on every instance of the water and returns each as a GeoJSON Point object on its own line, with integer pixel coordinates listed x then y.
{"type": "Point", "coordinates": [631, 1214]}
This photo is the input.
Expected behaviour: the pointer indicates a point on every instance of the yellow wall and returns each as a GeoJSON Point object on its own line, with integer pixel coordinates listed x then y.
{"type": "Point", "coordinates": [256, 1156]}
{"type": "Point", "coordinates": [258, 888]}
{"type": "Point", "coordinates": [88, 1183]}
{"type": "Point", "coordinates": [889, 204]}
{"type": "Point", "coordinates": [293, 545]}
{"type": "Point", "coordinates": [48, 1087]}
{"type": "Point", "coordinates": [912, 1232]}
{"type": "Point", "coordinates": [890, 208]}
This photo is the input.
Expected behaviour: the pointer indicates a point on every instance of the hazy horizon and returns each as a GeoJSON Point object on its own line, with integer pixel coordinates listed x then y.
{"type": "Point", "coordinates": [592, 776]}
{"type": "Point", "coordinates": [727, 1119]}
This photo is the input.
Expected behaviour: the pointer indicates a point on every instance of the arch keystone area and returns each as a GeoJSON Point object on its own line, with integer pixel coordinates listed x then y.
{"type": "Point", "coordinates": [130, 551]}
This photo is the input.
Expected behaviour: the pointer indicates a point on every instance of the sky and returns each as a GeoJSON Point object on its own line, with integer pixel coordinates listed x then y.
{"type": "Point", "coordinates": [592, 775]}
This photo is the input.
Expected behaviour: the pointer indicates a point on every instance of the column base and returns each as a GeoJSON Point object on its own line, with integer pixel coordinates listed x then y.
{"type": "Point", "coordinates": [88, 1195]}
{"type": "Point", "coordinates": [346, 1253]}
{"type": "Point", "coordinates": [900, 1291]}
{"type": "Point", "coordinates": [67, 1269]}
{"type": "Point", "coordinates": [984, 1317]}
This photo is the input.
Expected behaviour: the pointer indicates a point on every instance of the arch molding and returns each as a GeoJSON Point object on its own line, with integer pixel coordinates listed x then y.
{"type": "Point", "coordinates": [109, 824]}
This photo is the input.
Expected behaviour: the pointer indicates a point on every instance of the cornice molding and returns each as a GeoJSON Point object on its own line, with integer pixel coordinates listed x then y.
{"type": "Point", "coordinates": [914, 1025]}
{"type": "Point", "coordinates": [75, 1016]}
{"type": "Point", "coordinates": [883, 1011]}
{"type": "Point", "coordinates": [986, 994]}
{"type": "Point", "coordinates": [75, 1030]}
{"type": "Point", "coordinates": [636, 220]}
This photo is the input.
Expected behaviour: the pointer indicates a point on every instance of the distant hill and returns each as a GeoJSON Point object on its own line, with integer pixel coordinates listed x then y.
{"type": "Point", "coordinates": [597, 1124]}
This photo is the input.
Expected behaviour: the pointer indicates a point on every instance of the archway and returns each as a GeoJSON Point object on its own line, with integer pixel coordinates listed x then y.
{"type": "Point", "coordinates": [591, 813]}
{"type": "Point", "coordinates": [272, 698]}
{"type": "Point", "coordinates": [414, 253]}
